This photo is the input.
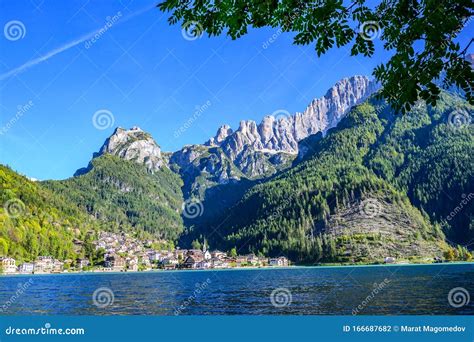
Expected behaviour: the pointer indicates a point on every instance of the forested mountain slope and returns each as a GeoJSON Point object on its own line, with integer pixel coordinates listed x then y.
{"type": "Point", "coordinates": [35, 221]}
{"type": "Point", "coordinates": [361, 193]}
{"type": "Point", "coordinates": [125, 196]}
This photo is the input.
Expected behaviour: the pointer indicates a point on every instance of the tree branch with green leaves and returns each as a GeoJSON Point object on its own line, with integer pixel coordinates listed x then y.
{"type": "Point", "coordinates": [420, 33]}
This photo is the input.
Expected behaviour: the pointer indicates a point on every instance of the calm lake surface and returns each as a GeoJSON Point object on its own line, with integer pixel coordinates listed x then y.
{"type": "Point", "coordinates": [379, 290]}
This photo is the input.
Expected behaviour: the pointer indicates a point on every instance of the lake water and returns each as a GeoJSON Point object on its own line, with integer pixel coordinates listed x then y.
{"type": "Point", "coordinates": [374, 290]}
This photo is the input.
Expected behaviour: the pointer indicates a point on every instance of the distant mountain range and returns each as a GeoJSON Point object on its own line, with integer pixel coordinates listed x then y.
{"type": "Point", "coordinates": [347, 180]}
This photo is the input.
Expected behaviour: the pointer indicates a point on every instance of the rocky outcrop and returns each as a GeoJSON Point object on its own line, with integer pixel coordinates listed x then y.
{"type": "Point", "coordinates": [133, 144]}
{"type": "Point", "coordinates": [282, 132]}
{"type": "Point", "coordinates": [136, 145]}
{"type": "Point", "coordinates": [202, 167]}
{"type": "Point", "coordinates": [222, 133]}
{"type": "Point", "coordinates": [261, 150]}
{"type": "Point", "coordinates": [376, 227]}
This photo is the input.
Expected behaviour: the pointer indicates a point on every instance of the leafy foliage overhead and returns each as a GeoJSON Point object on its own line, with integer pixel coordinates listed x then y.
{"type": "Point", "coordinates": [420, 33]}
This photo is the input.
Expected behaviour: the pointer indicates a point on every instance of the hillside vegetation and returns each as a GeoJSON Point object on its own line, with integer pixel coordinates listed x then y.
{"type": "Point", "coordinates": [36, 221]}
{"type": "Point", "coordinates": [125, 196]}
{"type": "Point", "coordinates": [396, 167]}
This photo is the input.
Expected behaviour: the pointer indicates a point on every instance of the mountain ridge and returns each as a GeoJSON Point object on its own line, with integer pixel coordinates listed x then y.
{"type": "Point", "coordinates": [300, 179]}
{"type": "Point", "coordinates": [330, 205]}
{"type": "Point", "coordinates": [282, 131]}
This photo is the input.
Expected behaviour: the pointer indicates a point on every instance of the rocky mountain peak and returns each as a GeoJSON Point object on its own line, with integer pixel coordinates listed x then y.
{"type": "Point", "coordinates": [262, 149]}
{"type": "Point", "coordinates": [222, 133]}
{"type": "Point", "coordinates": [133, 144]}
{"type": "Point", "coordinates": [282, 134]}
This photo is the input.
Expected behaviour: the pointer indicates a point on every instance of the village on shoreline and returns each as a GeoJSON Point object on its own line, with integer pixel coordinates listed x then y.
{"type": "Point", "coordinates": [119, 252]}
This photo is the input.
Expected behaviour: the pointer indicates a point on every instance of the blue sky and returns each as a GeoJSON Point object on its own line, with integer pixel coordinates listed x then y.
{"type": "Point", "coordinates": [145, 73]}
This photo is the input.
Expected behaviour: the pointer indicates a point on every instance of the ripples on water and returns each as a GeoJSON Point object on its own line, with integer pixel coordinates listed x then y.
{"type": "Point", "coordinates": [421, 290]}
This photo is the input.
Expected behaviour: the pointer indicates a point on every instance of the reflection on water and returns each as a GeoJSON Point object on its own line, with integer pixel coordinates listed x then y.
{"type": "Point", "coordinates": [377, 290]}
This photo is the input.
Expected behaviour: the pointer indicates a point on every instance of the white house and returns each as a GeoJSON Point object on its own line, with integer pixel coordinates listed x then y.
{"type": "Point", "coordinates": [8, 265]}
{"type": "Point", "coordinates": [280, 261]}
{"type": "Point", "coordinates": [155, 256]}
{"type": "Point", "coordinates": [26, 268]}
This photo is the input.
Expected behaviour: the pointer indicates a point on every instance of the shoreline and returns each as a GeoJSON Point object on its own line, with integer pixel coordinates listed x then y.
{"type": "Point", "coordinates": [240, 269]}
